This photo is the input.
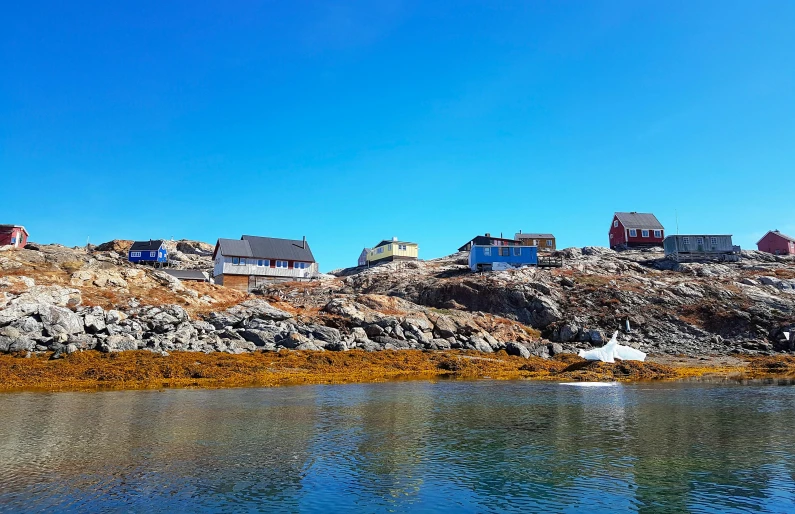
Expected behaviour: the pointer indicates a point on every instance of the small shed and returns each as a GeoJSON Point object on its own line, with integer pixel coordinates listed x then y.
{"type": "Point", "coordinates": [483, 257]}
{"type": "Point", "coordinates": [701, 247]}
{"type": "Point", "coordinates": [363, 257]}
{"type": "Point", "coordinates": [13, 235]}
{"type": "Point", "coordinates": [148, 252]}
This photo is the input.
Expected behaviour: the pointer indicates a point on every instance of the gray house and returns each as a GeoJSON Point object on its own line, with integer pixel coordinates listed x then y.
{"type": "Point", "coordinates": [701, 247]}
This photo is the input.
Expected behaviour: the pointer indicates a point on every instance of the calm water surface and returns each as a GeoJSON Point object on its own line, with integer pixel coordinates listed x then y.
{"type": "Point", "coordinates": [482, 446]}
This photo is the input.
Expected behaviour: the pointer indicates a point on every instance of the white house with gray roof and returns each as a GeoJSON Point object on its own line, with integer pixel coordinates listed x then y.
{"type": "Point", "coordinates": [252, 261]}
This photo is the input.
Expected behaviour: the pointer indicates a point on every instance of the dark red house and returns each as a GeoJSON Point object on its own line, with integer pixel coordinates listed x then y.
{"type": "Point", "coordinates": [777, 243]}
{"type": "Point", "coordinates": [14, 235]}
{"type": "Point", "coordinates": [635, 229]}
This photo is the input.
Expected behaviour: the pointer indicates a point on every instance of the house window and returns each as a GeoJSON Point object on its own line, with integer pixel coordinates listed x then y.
{"type": "Point", "coordinates": [535, 242]}
{"type": "Point", "coordinates": [699, 241]}
{"type": "Point", "coordinates": [658, 233]}
{"type": "Point", "coordinates": [633, 232]}
{"type": "Point", "coordinates": [135, 254]}
{"type": "Point", "coordinates": [401, 247]}
{"type": "Point", "coordinates": [504, 251]}
{"type": "Point", "coordinates": [487, 251]}
{"type": "Point", "coordinates": [615, 223]}
{"type": "Point", "coordinates": [242, 261]}
{"type": "Point", "coordinates": [549, 242]}
{"type": "Point", "coordinates": [263, 262]}
{"type": "Point", "coordinates": [685, 240]}
{"type": "Point", "coordinates": [282, 264]}
{"type": "Point", "coordinates": [389, 247]}
{"type": "Point", "coordinates": [644, 233]}
{"type": "Point", "coordinates": [300, 265]}
{"type": "Point", "coordinates": [380, 249]}
{"type": "Point", "coordinates": [152, 254]}
{"type": "Point", "coordinates": [517, 251]}
{"type": "Point", "coordinates": [714, 241]}
{"type": "Point", "coordinates": [235, 260]}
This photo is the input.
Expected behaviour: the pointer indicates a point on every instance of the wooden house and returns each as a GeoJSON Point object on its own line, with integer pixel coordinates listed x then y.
{"type": "Point", "coordinates": [776, 243]}
{"type": "Point", "coordinates": [363, 257]}
{"type": "Point", "coordinates": [485, 257]}
{"type": "Point", "coordinates": [683, 248]}
{"type": "Point", "coordinates": [544, 242]}
{"type": "Point", "coordinates": [488, 240]}
{"type": "Point", "coordinates": [252, 261]}
{"type": "Point", "coordinates": [152, 252]}
{"type": "Point", "coordinates": [635, 229]}
{"type": "Point", "coordinates": [13, 235]}
{"type": "Point", "coordinates": [394, 250]}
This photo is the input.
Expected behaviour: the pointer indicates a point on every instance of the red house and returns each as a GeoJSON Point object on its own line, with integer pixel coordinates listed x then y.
{"type": "Point", "coordinates": [635, 229]}
{"type": "Point", "coordinates": [14, 235]}
{"type": "Point", "coordinates": [777, 243]}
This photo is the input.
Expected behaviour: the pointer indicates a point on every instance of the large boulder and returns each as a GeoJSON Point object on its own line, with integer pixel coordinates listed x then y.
{"type": "Point", "coordinates": [119, 343]}
{"type": "Point", "coordinates": [259, 309]}
{"type": "Point", "coordinates": [517, 349]}
{"type": "Point", "coordinates": [59, 320]}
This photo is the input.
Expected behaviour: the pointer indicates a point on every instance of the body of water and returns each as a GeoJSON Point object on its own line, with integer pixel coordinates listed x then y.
{"type": "Point", "coordinates": [480, 446]}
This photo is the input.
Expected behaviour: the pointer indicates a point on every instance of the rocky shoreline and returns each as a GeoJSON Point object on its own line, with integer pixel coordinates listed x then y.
{"type": "Point", "coordinates": [61, 300]}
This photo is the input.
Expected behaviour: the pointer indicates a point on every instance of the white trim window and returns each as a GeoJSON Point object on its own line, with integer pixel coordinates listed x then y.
{"type": "Point", "coordinates": [615, 223]}
{"type": "Point", "coordinates": [633, 232]}
{"type": "Point", "coordinates": [549, 242]}
{"type": "Point", "coordinates": [282, 264]}
{"type": "Point", "coordinates": [135, 254]}
{"type": "Point", "coordinates": [644, 233]}
{"type": "Point", "coordinates": [242, 261]}
{"type": "Point", "coordinates": [517, 251]}
{"type": "Point", "coordinates": [299, 265]}
{"type": "Point", "coordinates": [262, 263]}
{"type": "Point", "coordinates": [487, 251]}
{"type": "Point", "coordinates": [658, 233]}
{"type": "Point", "coordinates": [402, 247]}
{"type": "Point", "coordinates": [152, 254]}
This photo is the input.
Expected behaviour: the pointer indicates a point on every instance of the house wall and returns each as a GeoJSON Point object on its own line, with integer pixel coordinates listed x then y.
{"type": "Point", "coordinates": [13, 236]}
{"type": "Point", "coordinates": [689, 243]}
{"type": "Point", "coordinates": [391, 251]}
{"type": "Point", "coordinates": [239, 282]}
{"type": "Point", "coordinates": [775, 244]}
{"type": "Point", "coordinates": [528, 255]}
{"type": "Point", "coordinates": [544, 244]}
{"type": "Point", "coordinates": [160, 255]}
{"type": "Point", "coordinates": [223, 266]}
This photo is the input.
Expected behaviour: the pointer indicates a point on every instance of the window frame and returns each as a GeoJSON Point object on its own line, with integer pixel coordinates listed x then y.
{"type": "Point", "coordinates": [713, 241]}
{"type": "Point", "coordinates": [686, 240]}
{"type": "Point", "coordinates": [503, 251]}
{"type": "Point", "coordinates": [487, 251]}
{"type": "Point", "coordinates": [236, 260]}
{"type": "Point", "coordinates": [658, 233]}
{"type": "Point", "coordinates": [517, 251]}
{"type": "Point", "coordinates": [549, 242]}
{"type": "Point", "coordinates": [282, 264]}
{"type": "Point", "coordinates": [699, 241]}
{"type": "Point", "coordinates": [644, 233]}
{"type": "Point", "coordinates": [633, 232]}
{"type": "Point", "coordinates": [615, 223]}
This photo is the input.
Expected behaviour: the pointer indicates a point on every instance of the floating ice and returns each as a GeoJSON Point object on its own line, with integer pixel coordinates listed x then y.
{"type": "Point", "coordinates": [611, 351]}
{"type": "Point", "coordinates": [589, 384]}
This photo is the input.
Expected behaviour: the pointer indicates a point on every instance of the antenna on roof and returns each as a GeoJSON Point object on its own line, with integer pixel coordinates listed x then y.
{"type": "Point", "coordinates": [676, 213]}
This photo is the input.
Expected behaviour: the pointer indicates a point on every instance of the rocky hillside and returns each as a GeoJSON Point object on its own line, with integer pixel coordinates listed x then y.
{"type": "Point", "coordinates": [54, 298]}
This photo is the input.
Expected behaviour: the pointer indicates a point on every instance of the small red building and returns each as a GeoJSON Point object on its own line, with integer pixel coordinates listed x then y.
{"type": "Point", "coordinates": [635, 229]}
{"type": "Point", "coordinates": [14, 235]}
{"type": "Point", "coordinates": [777, 243]}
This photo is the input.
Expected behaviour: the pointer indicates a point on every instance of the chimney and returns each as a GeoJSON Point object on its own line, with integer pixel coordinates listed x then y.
{"type": "Point", "coordinates": [500, 235]}
{"type": "Point", "coordinates": [520, 230]}
{"type": "Point", "coordinates": [488, 234]}
{"type": "Point", "coordinates": [394, 239]}
{"type": "Point", "coordinates": [303, 243]}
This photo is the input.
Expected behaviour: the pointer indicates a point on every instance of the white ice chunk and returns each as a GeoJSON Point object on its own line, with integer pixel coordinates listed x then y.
{"type": "Point", "coordinates": [611, 351]}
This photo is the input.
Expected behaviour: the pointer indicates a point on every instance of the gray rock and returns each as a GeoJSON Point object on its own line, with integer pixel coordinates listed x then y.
{"type": "Point", "coordinates": [59, 320]}
{"type": "Point", "coordinates": [94, 320]}
{"type": "Point", "coordinates": [480, 345]}
{"type": "Point", "coordinates": [260, 337]}
{"type": "Point", "coordinates": [327, 334]}
{"type": "Point", "coordinates": [445, 327]}
{"type": "Point", "coordinates": [373, 331]}
{"type": "Point", "coordinates": [554, 349]}
{"type": "Point", "coordinates": [520, 350]}
{"type": "Point", "coordinates": [119, 343]}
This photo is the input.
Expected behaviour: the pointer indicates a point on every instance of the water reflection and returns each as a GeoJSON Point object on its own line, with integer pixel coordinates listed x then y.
{"type": "Point", "coordinates": [413, 446]}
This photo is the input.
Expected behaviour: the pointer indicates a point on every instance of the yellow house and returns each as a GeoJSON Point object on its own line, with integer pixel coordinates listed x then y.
{"type": "Point", "coordinates": [393, 250]}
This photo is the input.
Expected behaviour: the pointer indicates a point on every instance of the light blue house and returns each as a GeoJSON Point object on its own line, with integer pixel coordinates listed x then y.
{"type": "Point", "coordinates": [148, 252]}
{"type": "Point", "coordinates": [482, 257]}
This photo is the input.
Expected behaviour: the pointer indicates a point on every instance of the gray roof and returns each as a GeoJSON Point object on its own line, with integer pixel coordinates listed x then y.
{"type": "Point", "coordinates": [639, 220]}
{"type": "Point", "coordinates": [530, 235]}
{"type": "Point", "coordinates": [188, 274]}
{"type": "Point", "coordinates": [144, 246]}
{"type": "Point", "coordinates": [234, 248]}
{"type": "Point", "coordinates": [392, 241]}
{"type": "Point", "coordinates": [273, 248]}
{"type": "Point", "coordinates": [266, 248]}
{"type": "Point", "coordinates": [779, 234]}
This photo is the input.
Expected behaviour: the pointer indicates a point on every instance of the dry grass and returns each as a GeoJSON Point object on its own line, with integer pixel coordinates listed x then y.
{"type": "Point", "coordinates": [142, 369]}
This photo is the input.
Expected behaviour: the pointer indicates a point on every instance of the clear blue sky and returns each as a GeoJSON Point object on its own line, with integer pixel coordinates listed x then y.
{"type": "Point", "coordinates": [353, 121]}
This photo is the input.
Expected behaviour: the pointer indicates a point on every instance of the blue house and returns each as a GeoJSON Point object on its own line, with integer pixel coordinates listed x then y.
{"type": "Point", "coordinates": [483, 257]}
{"type": "Point", "coordinates": [148, 252]}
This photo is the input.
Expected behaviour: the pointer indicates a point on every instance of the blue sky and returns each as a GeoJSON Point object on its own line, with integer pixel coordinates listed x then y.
{"type": "Point", "coordinates": [354, 121]}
